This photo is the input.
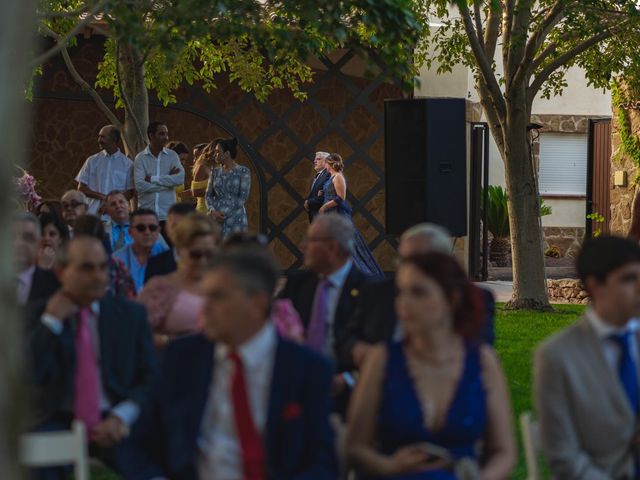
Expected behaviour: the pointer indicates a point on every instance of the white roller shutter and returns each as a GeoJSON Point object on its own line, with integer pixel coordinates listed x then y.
{"type": "Point", "coordinates": [563, 164]}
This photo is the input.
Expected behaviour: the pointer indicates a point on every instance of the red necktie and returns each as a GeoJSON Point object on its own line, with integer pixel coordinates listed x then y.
{"type": "Point", "coordinates": [86, 405]}
{"type": "Point", "coordinates": [253, 461]}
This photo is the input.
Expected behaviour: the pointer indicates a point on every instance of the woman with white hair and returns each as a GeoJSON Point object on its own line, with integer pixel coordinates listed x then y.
{"type": "Point", "coordinates": [334, 193]}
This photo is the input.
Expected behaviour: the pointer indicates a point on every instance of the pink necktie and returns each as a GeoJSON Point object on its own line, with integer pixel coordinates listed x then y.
{"type": "Point", "coordinates": [86, 404]}
{"type": "Point", "coordinates": [316, 332]}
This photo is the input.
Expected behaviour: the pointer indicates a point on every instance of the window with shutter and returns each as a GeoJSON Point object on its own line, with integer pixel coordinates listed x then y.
{"type": "Point", "coordinates": [563, 164]}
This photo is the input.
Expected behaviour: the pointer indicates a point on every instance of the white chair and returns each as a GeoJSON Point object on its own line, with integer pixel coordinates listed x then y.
{"type": "Point", "coordinates": [531, 444]}
{"type": "Point", "coordinates": [51, 449]}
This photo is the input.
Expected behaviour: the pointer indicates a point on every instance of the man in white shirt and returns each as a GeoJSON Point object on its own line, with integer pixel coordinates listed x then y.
{"type": "Point", "coordinates": [237, 401]}
{"type": "Point", "coordinates": [586, 378]}
{"type": "Point", "coordinates": [107, 170]}
{"type": "Point", "coordinates": [157, 172]}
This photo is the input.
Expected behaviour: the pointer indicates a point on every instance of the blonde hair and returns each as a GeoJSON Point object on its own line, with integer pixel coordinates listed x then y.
{"type": "Point", "coordinates": [334, 160]}
{"type": "Point", "coordinates": [192, 226]}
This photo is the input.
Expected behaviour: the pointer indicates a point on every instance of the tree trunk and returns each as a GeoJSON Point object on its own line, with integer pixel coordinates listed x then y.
{"type": "Point", "coordinates": [135, 97]}
{"type": "Point", "coordinates": [529, 285]}
{"type": "Point", "coordinates": [16, 40]}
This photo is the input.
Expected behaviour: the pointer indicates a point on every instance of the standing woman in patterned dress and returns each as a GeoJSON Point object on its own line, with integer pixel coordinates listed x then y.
{"type": "Point", "coordinates": [228, 189]}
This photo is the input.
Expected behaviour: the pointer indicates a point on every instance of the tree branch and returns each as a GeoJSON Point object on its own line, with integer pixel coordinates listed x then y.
{"type": "Point", "coordinates": [477, 15]}
{"type": "Point", "coordinates": [519, 33]}
{"type": "Point", "coordinates": [62, 42]}
{"type": "Point", "coordinates": [561, 60]}
{"type": "Point", "coordinates": [492, 31]}
{"type": "Point", "coordinates": [537, 39]}
{"type": "Point", "coordinates": [484, 65]}
{"type": "Point", "coordinates": [124, 97]}
{"type": "Point", "coordinates": [83, 83]}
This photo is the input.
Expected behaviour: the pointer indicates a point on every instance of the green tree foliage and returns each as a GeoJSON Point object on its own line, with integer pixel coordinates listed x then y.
{"type": "Point", "coordinates": [261, 45]}
{"type": "Point", "coordinates": [519, 50]}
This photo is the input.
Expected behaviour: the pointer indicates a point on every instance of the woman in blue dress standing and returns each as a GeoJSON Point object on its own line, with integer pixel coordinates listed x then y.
{"type": "Point", "coordinates": [334, 192]}
{"type": "Point", "coordinates": [435, 405]}
{"type": "Point", "coordinates": [228, 189]}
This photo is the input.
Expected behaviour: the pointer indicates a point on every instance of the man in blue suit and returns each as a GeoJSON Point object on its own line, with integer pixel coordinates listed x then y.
{"type": "Point", "coordinates": [91, 356]}
{"type": "Point", "coordinates": [236, 402]}
{"type": "Point", "coordinates": [313, 202]}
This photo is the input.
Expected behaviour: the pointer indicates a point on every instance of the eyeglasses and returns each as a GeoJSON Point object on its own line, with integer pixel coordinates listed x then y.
{"type": "Point", "coordinates": [70, 205]}
{"type": "Point", "coordinates": [198, 254]}
{"type": "Point", "coordinates": [142, 227]}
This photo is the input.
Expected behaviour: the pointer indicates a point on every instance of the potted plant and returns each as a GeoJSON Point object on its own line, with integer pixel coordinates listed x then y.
{"type": "Point", "coordinates": [498, 224]}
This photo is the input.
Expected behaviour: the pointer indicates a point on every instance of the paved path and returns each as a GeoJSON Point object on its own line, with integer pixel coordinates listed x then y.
{"type": "Point", "coordinates": [502, 290]}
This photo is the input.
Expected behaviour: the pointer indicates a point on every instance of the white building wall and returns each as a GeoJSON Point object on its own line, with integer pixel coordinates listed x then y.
{"type": "Point", "coordinates": [577, 99]}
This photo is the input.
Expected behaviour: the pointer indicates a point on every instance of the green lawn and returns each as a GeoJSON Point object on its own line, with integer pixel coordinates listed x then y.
{"type": "Point", "coordinates": [517, 335]}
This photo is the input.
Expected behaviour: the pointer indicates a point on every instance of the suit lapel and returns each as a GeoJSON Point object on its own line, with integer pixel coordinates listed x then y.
{"type": "Point", "coordinates": [310, 283]}
{"type": "Point", "coordinates": [203, 377]}
{"type": "Point", "coordinates": [276, 400]}
{"type": "Point", "coordinates": [104, 331]}
{"type": "Point", "coordinates": [344, 302]}
{"type": "Point", "coordinates": [593, 356]}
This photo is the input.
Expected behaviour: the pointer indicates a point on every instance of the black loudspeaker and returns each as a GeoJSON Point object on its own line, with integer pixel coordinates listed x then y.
{"type": "Point", "coordinates": [425, 164]}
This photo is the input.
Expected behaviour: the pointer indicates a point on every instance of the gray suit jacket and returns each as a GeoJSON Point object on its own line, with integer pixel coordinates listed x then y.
{"type": "Point", "coordinates": [586, 423]}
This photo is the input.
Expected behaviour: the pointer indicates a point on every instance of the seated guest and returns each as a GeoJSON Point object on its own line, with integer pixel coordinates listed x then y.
{"type": "Point", "coordinates": [586, 377]}
{"type": "Point", "coordinates": [52, 206]}
{"type": "Point", "coordinates": [283, 314]}
{"type": "Point", "coordinates": [236, 401]}
{"type": "Point", "coordinates": [174, 301]}
{"type": "Point", "coordinates": [120, 281]}
{"type": "Point", "coordinates": [91, 356]}
{"type": "Point", "coordinates": [34, 283]}
{"type": "Point", "coordinates": [144, 228]}
{"type": "Point", "coordinates": [74, 204]}
{"type": "Point", "coordinates": [423, 405]}
{"type": "Point", "coordinates": [374, 319]}
{"type": "Point", "coordinates": [165, 262]}
{"type": "Point", "coordinates": [325, 295]}
{"type": "Point", "coordinates": [54, 234]}
{"type": "Point", "coordinates": [116, 207]}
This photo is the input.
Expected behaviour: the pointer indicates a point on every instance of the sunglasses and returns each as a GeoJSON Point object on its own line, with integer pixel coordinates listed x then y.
{"type": "Point", "coordinates": [72, 204]}
{"type": "Point", "coordinates": [198, 254]}
{"type": "Point", "coordinates": [141, 227]}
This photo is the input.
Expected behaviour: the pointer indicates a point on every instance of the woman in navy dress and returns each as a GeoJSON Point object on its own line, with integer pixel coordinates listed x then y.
{"type": "Point", "coordinates": [434, 406]}
{"type": "Point", "coordinates": [228, 189]}
{"type": "Point", "coordinates": [334, 192]}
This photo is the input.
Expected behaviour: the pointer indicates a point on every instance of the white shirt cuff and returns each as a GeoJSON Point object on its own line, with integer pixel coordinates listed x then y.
{"type": "Point", "coordinates": [52, 323]}
{"type": "Point", "coordinates": [154, 179]}
{"type": "Point", "coordinates": [127, 411]}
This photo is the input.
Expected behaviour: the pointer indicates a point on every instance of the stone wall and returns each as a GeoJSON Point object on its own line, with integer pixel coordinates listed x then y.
{"type": "Point", "coordinates": [567, 291]}
{"type": "Point", "coordinates": [622, 197]}
{"type": "Point", "coordinates": [567, 240]}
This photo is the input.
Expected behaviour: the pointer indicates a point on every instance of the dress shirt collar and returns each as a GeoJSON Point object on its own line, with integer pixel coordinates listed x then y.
{"type": "Point", "coordinates": [254, 351]}
{"type": "Point", "coordinates": [26, 276]}
{"type": "Point", "coordinates": [320, 172]}
{"type": "Point", "coordinates": [147, 151]}
{"type": "Point", "coordinates": [338, 277]}
{"type": "Point", "coordinates": [107, 154]}
{"type": "Point", "coordinates": [605, 330]}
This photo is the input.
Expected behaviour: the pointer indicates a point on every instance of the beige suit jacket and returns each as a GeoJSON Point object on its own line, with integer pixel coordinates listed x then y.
{"type": "Point", "coordinates": [586, 422]}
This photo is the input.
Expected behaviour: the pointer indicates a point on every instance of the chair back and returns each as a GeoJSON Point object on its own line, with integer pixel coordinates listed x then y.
{"type": "Point", "coordinates": [531, 444]}
{"type": "Point", "coordinates": [57, 448]}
